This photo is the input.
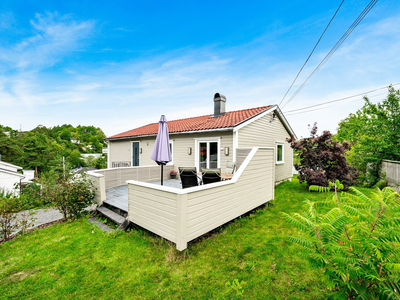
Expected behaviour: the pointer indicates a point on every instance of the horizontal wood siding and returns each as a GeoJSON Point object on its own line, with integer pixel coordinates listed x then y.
{"type": "Point", "coordinates": [96, 187]}
{"type": "Point", "coordinates": [210, 208]}
{"type": "Point", "coordinates": [120, 151]}
{"type": "Point", "coordinates": [241, 154]}
{"type": "Point", "coordinates": [263, 133]}
{"type": "Point", "coordinates": [154, 210]}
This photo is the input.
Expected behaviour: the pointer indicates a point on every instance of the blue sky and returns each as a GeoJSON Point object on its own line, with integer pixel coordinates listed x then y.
{"type": "Point", "coordinates": [121, 64]}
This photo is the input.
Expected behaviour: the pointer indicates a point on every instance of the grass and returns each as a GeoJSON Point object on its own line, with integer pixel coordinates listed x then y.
{"type": "Point", "coordinates": [76, 260]}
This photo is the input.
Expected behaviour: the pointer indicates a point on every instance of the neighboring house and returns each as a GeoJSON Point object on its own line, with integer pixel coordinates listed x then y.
{"type": "Point", "coordinates": [9, 177]}
{"type": "Point", "coordinates": [210, 141]}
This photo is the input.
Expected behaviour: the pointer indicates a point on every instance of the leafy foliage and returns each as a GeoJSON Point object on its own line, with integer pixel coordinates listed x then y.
{"type": "Point", "coordinates": [43, 148]}
{"type": "Point", "coordinates": [8, 208]}
{"type": "Point", "coordinates": [373, 133]}
{"type": "Point", "coordinates": [355, 239]}
{"type": "Point", "coordinates": [322, 160]}
{"type": "Point", "coordinates": [69, 194]}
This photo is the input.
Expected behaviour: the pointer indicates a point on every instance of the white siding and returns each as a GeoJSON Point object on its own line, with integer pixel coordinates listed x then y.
{"type": "Point", "coordinates": [182, 215]}
{"type": "Point", "coordinates": [263, 133]}
{"type": "Point", "coordinates": [121, 150]}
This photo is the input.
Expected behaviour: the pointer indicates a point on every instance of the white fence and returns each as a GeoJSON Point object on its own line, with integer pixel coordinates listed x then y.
{"type": "Point", "coordinates": [181, 215]}
{"type": "Point", "coordinates": [392, 170]}
{"type": "Point", "coordinates": [107, 178]}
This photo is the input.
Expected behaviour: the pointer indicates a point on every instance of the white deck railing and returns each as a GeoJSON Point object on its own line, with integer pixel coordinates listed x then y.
{"type": "Point", "coordinates": [108, 178]}
{"type": "Point", "coordinates": [181, 215]}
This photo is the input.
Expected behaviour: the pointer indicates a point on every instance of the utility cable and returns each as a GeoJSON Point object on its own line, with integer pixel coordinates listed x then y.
{"type": "Point", "coordinates": [337, 45]}
{"type": "Point", "coordinates": [311, 52]}
{"type": "Point", "coordinates": [341, 99]}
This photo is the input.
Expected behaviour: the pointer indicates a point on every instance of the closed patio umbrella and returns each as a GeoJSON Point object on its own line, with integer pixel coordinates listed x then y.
{"type": "Point", "coordinates": [161, 151]}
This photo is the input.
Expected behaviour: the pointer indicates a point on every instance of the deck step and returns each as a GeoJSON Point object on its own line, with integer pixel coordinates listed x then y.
{"type": "Point", "coordinates": [111, 215]}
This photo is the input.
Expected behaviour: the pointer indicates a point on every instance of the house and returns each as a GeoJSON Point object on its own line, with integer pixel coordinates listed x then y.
{"type": "Point", "coordinates": [9, 177]}
{"type": "Point", "coordinates": [210, 141]}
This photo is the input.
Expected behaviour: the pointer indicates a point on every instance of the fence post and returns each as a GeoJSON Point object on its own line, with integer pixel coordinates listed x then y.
{"type": "Point", "coordinates": [181, 222]}
{"type": "Point", "coordinates": [102, 188]}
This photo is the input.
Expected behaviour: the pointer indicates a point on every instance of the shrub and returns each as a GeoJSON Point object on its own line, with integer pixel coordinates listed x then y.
{"type": "Point", "coordinates": [323, 160]}
{"type": "Point", "coordinates": [69, 194]}
{"type": "Point", "coordinates": [31, 197]}
{"type": "Point", "coordinates": [8, 209]}
{"type": "Point", "coordinates": [355, 239]}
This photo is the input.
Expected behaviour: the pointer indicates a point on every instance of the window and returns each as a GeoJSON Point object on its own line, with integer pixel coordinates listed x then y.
{"type": "Point", "coordinates": [207, 154]}
{"type": "Point", "coordinates": [279, 153]}
{"type": "Point", "coordinates": [171, 146]}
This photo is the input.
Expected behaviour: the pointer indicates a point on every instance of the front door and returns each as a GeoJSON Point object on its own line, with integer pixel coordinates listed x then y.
{"type": "Point", "coordinates": [208, 155]}
{"type": "Point", "coordinates": [135, 154]}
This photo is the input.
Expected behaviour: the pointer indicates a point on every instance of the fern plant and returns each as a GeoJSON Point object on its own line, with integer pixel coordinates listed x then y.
{"type": "Point", "coordinates": [355, 239]}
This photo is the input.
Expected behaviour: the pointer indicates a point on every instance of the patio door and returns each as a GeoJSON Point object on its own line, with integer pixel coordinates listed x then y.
{"type": "Point", "coordinates": [135, 154]}
{"type": "Point", "coordinates": [208, 155]}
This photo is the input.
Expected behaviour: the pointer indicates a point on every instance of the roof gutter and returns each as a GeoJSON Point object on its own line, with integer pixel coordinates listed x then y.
{"type": "Point", "coordinates": [171, 133]}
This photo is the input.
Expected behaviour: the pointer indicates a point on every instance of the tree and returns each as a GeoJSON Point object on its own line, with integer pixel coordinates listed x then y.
{"type": "Point", "coordinates": [323, 160]}
{"type": "Point", "coordinates": [75, 159]}
{"type": "Point", "coordinates": [373, 133]}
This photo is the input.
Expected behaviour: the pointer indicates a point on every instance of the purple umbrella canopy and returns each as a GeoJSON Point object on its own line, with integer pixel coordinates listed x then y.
{"type": "Point", "coordinates": [161, 151]}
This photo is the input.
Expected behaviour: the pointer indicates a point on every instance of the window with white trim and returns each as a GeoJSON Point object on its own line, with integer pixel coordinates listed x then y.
{"type": "Point", "coordinates": [279, 153]}
{"type": "Point", "coordinates": [171, 146]}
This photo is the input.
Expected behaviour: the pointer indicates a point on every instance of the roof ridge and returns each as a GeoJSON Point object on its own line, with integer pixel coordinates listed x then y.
{"type": "Point", "coordinates": [196, 123]}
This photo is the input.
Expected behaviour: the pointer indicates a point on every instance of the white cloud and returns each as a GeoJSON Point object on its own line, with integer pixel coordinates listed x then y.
{"type": "Point", "coordinates": [53, 37]}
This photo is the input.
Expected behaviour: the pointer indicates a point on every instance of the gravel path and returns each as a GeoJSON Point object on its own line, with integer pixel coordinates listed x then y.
{"type": "Point", "coordinates": [43, 215]}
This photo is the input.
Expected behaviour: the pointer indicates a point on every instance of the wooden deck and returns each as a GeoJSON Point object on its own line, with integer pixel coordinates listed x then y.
{"type": "Point", "coordinates": [118, 196]}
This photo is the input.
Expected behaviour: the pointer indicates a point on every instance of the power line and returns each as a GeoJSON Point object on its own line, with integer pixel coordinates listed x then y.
{"type": "Point", "coordinates": [341, 99]}
{"type": "Point", "coordinates": [337, 45]}
{"type": "Point", "coordinates": [311, 52]}
{"type": "Point", "coordinates": [321, 108]}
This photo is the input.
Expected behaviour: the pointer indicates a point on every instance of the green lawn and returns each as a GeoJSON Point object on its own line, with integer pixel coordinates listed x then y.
{"type": "Point", "coordinates": [75, 260]}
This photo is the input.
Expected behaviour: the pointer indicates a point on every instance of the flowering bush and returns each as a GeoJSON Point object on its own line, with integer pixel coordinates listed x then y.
{"type": "Point", "coordinates": [173, 172]}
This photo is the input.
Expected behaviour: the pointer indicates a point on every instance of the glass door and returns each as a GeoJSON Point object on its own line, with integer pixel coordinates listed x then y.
{"type": "Point", "coordinates": [208, 155]}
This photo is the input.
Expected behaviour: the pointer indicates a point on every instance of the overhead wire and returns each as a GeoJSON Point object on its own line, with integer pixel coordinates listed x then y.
{"type": "Point", "coordinates": [321, 108]}
{"type": "Point", "coordinates": [341, 99]}
{"type": "Point", "coordinates": [337, 45]}
{"type": "Point", "coordinates": [311, 53]}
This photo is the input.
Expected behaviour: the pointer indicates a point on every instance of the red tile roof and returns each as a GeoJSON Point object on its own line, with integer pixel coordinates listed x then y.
{"type": "Point", "coordinates": [230, 119]}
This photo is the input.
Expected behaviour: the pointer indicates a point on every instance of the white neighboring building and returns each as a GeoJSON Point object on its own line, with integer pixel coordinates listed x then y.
{"type": "Point", "coordinates": [9, 177]}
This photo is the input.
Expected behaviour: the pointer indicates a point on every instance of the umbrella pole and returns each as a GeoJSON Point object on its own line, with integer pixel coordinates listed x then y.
{"type": "Point", "coordinates": [162, 166]}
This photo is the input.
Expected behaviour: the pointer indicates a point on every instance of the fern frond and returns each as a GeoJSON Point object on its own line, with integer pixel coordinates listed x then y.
{"type": "Point", "coordinates": [361, 195]}
{"type": "Point", "coordinates": [389, 290]}
{"type": "Point", "coordinates": [393, 266]}
{"type": "Point", "coordinates": [307, 244]}
{"type": "Point", "coordinates": [296, 223]}
{"type": "Point", "coordinates": [319, 189]}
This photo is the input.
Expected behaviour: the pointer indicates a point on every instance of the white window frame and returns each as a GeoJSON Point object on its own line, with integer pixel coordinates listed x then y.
{"type": "Point", "coordinates": [283, 153]}
{"type": "Point", "coordinates": [197, 150]}
{"type": "Point", "coordinates": [171, 142]}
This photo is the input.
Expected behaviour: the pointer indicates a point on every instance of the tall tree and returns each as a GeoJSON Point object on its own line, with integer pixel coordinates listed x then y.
{"type": "Point", "coordinates": [374, 134]}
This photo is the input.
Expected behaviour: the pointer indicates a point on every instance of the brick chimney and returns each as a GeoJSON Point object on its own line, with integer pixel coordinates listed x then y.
{"type": "Point", "coordinates": [219, 105]}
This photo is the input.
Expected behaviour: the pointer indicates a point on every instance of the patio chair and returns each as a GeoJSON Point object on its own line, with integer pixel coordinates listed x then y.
{"type": "Point", "coordinates": [211, 175]}
{"type": "Point", "coordinates": [188, 177]}
{"type": "Point", "coordinates": [230, 167]}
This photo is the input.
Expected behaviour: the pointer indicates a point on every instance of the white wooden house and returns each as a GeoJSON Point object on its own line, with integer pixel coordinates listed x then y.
{"type": "Point", "coordinates": [210, 141]}
{"type": "Point", "coordinates": [9, 177]}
